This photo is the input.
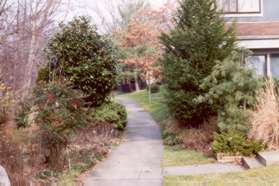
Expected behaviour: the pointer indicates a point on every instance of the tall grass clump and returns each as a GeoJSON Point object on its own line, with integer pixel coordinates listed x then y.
{"type": "Point", "coordinates": [265, 116]}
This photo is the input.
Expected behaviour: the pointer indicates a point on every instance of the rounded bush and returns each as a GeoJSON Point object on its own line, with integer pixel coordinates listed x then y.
{"type": "Point", "coordinates": [88, 60]}
{"type": "Point", "coordinates": [236, 143]}
{"type": "Point", "coordinates": [112, 113]}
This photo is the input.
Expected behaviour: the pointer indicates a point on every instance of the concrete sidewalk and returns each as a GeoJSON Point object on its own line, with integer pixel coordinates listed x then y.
{"type": "Point", "coordinates": [137, 161]}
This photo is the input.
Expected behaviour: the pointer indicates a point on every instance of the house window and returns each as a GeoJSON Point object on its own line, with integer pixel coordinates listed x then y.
{"type": "Point", "coordinates": [265, 64]}
{"type": "Point", "coordinates": [274, 65]}
{"type": "Point", "coordinates": [258, 63]}
{"type": "Point", "coordinates": [240, 6]}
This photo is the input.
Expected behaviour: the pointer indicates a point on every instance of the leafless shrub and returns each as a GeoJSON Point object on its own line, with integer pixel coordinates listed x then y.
{"type": "Point", "coordinates": [265, 116]}
{"type": "Point", "coordinates": [198, 139]}
{"type": "Point", "coordinates": [25, 26]}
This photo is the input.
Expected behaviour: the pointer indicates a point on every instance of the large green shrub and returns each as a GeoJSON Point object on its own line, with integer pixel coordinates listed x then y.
{"type": "Point", "coordinates": [198, 39]}
{"type": "Point", "coordinates": [231, 88]}
{"type": "Point", "coordinates": [235, 143]}
{"type": "Point", "coordinates": [112, 113]}
{"type": "Point", "coordinates": [83, 57]}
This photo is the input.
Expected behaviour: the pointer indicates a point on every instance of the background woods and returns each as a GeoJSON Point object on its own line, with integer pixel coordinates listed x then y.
{"type": "Point", "coordinates": [138, 38]}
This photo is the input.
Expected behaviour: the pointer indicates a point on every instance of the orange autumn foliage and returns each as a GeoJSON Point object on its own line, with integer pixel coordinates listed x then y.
{"type": "Point", "coordinates": [144, 30]}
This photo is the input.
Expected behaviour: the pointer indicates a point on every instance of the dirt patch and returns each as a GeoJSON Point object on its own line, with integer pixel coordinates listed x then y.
{"type": "Point", "coordinates": [199, 139]}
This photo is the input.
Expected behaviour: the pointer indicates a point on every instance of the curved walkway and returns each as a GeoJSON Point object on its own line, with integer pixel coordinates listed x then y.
{"type": "Point", "coordinates": [137, 161]}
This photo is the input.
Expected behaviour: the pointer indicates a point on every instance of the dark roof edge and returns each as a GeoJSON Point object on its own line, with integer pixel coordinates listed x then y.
{"type": "Point", "coordinates": [255, 37]}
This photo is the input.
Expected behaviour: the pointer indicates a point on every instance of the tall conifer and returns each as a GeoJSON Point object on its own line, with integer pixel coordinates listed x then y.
{"type": "Point", "coordinates": [198, 39]}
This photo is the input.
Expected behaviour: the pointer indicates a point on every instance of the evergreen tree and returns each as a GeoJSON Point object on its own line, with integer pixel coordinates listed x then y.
{"type": "Point", "coordinates": [231, 89]}
{"type": "Point", "coordinates": [192, 48]}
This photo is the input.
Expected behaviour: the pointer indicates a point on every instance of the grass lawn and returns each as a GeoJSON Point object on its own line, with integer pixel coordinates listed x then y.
{"type": "Point", "coordinates": [181, 157]}
{"type": "Point", "coordinates": [159, 111]}
{"type": "Point", "coordinates": [262, 176]}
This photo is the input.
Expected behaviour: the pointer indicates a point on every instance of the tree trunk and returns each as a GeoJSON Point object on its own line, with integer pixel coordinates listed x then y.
{"type": "Point", "coordinates": [29, 66]}
{"type": "Point", "coordinates": [149, 91]}
{"type": "Point", "coordinates": [136, 81]}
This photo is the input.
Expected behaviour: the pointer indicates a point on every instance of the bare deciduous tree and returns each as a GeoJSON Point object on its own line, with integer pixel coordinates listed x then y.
{"type": "Point", "coordinates": [39, 17]}
{"type": "Point", "coordinates": [112, 14]}
{"type": "Point", "coordinates": [25, 26]}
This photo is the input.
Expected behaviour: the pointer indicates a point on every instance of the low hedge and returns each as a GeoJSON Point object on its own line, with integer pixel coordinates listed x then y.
{"type": "Point", "coordinates": [236, 143]}
{"type": "Point", "coordinates": [111, 112]}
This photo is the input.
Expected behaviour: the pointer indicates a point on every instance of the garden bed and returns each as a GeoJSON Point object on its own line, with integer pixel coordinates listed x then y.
{"type": "Point", "coordinates": [24, 159]}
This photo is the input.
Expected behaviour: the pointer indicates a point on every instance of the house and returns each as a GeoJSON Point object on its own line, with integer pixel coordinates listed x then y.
{"type": "Point", "coordinates": [257, 29]}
